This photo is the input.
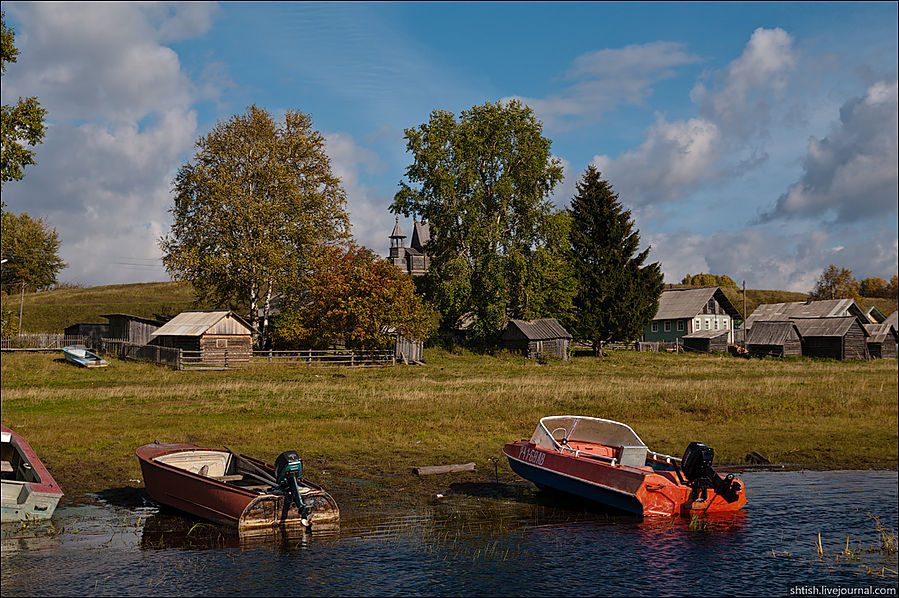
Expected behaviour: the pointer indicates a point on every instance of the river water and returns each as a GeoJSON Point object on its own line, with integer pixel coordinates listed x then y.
{"type": "Point", "coordinates": [464, 545]}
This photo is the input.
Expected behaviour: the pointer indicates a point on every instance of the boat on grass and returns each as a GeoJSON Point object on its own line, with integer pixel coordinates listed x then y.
{"type": "Point", "coordinates": [29, 492]}
{"type": "Point", "coordinates": [606, 462]}
{"type": "Point", "coordinates": [236, 490]}
{"type": "Point", "coordinates": [79, 355]}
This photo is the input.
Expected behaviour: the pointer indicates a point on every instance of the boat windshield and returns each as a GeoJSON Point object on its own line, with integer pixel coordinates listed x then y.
{"type": "Point", "coordinates": [574, 428]}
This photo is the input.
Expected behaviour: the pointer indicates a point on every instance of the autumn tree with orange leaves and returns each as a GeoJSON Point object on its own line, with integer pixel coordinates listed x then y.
{"type": "Point", "coordinates": [356, 301]}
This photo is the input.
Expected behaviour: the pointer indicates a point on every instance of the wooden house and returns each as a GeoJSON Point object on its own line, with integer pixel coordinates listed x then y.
{"type": "Point", "coordinates": [835, 337]}
{"type": "Point", "coordinates": [412, 260]}
{"type": "Point", "coordinates": [689, 310]}
{"type": "Point", "coordinates": [778, 339]}
{"type": "Point", "coordinates": [131, 329]}
{"type": "Point", "coordinates": [882, 341]}
{"type": "Point", "coordinates": [211, 335]}
{"type": "Point", "coordinates": [537, 338]}
{"type": "Point", "coordinates": [706, 341]}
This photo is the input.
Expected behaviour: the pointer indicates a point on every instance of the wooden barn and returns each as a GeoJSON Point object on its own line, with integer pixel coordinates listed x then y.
{"type": "Point", "coordinates": [213, 336]}
{"type": "Point", "coordinates": [91, 332]}
{"type": "Point", "coordinates": [828, 308]}
{"type": "Point", "coordinates": [778, 339]}
{"type": "Point", "coordinates": [537, 338]}
{"type": "Point", "coordinates": [834, 337]}
{"type": "Point", "coordinates": [131, 329]}
{"type": "Point", "coordinates": [882, 341]}
{"type": "Point", "coordinates": [705, 341]}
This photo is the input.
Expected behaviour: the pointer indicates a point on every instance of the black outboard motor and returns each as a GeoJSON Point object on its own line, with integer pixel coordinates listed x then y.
{"type": "Point", "coordinates": [288, 469]}
{"type": "Point", "coordinates": [697, 468]}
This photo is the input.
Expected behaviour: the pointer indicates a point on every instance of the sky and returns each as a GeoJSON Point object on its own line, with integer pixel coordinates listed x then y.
{"type": "Point", "coordinates": [757, 140]}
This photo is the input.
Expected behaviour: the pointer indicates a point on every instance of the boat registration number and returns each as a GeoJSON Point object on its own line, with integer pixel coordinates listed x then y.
{"type": "Point", "coordinates": [531, 455]}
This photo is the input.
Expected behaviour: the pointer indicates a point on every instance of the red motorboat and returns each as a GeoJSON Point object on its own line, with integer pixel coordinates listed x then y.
{"type": "Point", "coordinates": [606, 462]}
{"type": "Point", "coordinates": [235, 490]}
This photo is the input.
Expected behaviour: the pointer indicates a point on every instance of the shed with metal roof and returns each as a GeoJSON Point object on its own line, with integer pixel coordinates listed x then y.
{"type": "Point", "coordinates": [537, 338]}
{"type": "Point", "coordinates": [706, 341]}
{"type": "Point", "coordinates": [212, 336]}
{"type": "Point", "coordinates": [778, 339]}
{"type": "Point", "coordinates": [833, 337]}
{"type": "Point", "coordinates": [882, 340]}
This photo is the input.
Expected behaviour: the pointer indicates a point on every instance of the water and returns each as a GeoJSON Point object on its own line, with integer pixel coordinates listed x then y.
{"type": "Point", "coordinates": [463, 545]}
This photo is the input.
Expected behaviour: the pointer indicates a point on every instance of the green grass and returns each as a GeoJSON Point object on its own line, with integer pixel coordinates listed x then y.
{"type": "Point", "coordinates": [53, 311]}
{"type": "Point", "coordinates": [377, 424]}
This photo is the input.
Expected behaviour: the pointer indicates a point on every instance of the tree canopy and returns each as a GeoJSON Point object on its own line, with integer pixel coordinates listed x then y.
{"type": "Point", "coordinates": [617, 296]}
{"type": "Point", "coordinates": [256, 209]}
{"type": "Point", "coordinates": [31, 250]}
{"type": "Point", "coordinates": [358, 299]}
{"type": "Point", "coordinates": [483, 183]}
{"type": "Point", "coordinates": [21, 124]}
{"type": "Point", "coordinates": [835, 283]}
{"type": "Point", "coordinates": [709, 280]}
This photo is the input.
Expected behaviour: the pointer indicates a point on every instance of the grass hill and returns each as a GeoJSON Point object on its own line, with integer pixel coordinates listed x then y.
{"type": "Point", "coordinates": [52, 311]}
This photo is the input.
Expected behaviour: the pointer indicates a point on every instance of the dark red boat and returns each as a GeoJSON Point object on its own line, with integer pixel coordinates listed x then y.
{"type": "Point", "coordinates": [605, 461]}
{"type": "Point", "coordinates": [235, 490]}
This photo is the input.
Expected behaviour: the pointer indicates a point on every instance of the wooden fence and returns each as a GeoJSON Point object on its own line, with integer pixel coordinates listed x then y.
{"type": "Point", "coordinates": [41, 342]}
{"type": "Point", "coordinates": [122, 349]}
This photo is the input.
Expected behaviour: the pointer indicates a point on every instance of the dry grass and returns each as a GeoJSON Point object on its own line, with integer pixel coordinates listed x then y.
{"type": "Point", "coordinates": [375, 423]}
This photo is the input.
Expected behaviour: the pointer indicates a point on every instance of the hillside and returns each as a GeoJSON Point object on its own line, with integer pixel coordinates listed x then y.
{"type": "Point", "coordinates": [52, 311]}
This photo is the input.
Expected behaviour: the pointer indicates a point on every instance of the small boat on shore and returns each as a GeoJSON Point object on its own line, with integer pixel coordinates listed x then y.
{"type": "Point", "coordinates": [29, 491]}
{"type": "Point", "coordinates": [606, 462]}
{"type": "Point", "coordinates": [79, 355]}
{"type": "Point", "coordinates": [236, 490]}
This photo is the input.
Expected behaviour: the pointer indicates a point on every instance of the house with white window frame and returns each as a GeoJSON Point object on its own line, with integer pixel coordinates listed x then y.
{"type": "Point", "coordinates": [691, 309]}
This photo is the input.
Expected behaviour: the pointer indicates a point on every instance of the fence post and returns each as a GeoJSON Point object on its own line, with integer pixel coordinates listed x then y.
{"type": "Point", "coordinates": [226, 358]}
{"type": "Point", "coordinates": [180, 359]}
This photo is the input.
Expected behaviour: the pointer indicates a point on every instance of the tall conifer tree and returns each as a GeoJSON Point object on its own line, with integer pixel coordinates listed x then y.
{"type": "Point", "coordinates": [617, 295]}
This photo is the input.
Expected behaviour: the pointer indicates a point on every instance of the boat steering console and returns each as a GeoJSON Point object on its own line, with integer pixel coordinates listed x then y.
{"type": "Point", "coordinates": [697, 468]}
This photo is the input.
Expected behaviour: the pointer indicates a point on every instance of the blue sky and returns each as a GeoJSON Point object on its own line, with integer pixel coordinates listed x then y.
{"type": "Point", "coordinates": [757, 140]}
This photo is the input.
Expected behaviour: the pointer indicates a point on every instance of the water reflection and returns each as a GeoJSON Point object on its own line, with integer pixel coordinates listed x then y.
{"type": "Point", "coordinates": [466, 545]}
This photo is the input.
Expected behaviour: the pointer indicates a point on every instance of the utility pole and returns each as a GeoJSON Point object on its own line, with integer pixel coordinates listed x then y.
{"type": "Point", "coordinates": [744, 314]}
{"type": "Point", "coordinates": [21, 303]}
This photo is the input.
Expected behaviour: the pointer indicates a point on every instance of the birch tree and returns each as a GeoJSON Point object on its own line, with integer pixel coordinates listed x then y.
{"type": "Point", "coordinates": [255, 209]}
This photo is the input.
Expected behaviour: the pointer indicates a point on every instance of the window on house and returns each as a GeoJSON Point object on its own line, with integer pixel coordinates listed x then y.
{"type": "Point", "coordinates": [667, 326]}
{"type": "Point", "coordinates": [680, 325]}
{"type": "Point", "coordinates": [716, 323]}
{"type": "Point", "coordinates": [697, 325]}
{"type": "Point", "coordinates": [221, 343]}
{"type": "Point", "coordinates": [708, 324]}
{"type": "Point", "coordinates": [655, 327]}
{"type": "Point", "coordinates": [711, 306]}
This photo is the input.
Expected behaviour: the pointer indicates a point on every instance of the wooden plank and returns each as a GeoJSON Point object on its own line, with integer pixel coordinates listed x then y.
{"type": "Point", "coordinates": [437, 469]}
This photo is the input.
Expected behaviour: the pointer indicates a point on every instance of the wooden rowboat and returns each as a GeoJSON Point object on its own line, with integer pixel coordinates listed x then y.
{"type": "Point", "coordinates": [29, 491]}
{"type": "Point", "coordinates": [235, 490]}
{"type": "Point", "coordinates": [606, 462]}
{"type": "Point", "coordinates": [79, 355]}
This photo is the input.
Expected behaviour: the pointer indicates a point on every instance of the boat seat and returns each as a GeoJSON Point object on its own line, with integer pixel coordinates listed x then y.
{"type": "Point", "coordinates": [6, 467]}
{"type": "Point", "coordinates": [633, 456]}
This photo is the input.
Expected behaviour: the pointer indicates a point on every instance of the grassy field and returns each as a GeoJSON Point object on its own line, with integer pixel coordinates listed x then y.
{"type": "Point", "coordinates": [363, 430]}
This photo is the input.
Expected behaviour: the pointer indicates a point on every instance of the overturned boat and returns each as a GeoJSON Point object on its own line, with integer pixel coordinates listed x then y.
{"type": "Point", "coordinates": [79, 355]}
{"type": "Point", "coordinates": [606, 462]}
{"type": "Point", "coordinates": [29, 491]}
{"type": "Point", "coordinates": [236, 490]}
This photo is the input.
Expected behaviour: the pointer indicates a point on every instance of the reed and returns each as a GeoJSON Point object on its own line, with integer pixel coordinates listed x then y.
{"type": "Point", "coordinates": [374, 425]}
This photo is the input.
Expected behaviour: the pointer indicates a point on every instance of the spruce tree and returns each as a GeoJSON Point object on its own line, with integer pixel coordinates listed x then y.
{"type": "Point", "coordinates": [617, 296]}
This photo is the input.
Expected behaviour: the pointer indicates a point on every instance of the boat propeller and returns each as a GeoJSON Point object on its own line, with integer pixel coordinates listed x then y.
{"type": "Point", "coordinates": [288, 469]}
{"type": "Point", "coordinates": [697, 468]}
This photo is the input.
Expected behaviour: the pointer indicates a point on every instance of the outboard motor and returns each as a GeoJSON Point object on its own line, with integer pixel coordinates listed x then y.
{"type": "Point", "coordinates": [697, 467]}
{"type": "Point", "coordinates": [288, 469]}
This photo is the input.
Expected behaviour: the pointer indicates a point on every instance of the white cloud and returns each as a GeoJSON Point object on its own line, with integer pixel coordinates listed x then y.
{"type": "Point", "coordinates": [120, 120]}
{"type": "Point", "coordinates": [606, 79]}
{"type": "Point", "coordinates": [767, 259]}
{"type": "Point", "coordinates": [679, 156]}
{"type": "Point", "coordinates": [370, 219]}
{"type": "Point", "coordinates": [851, 174]}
